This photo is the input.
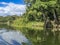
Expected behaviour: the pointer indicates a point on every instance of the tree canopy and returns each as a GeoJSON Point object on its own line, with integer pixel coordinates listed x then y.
{"type": "Point", "coordinates": [35, 8]}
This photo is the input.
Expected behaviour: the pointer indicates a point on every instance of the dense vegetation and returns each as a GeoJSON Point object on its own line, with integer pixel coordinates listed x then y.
{"type": "Point", "coordinates": [38, 12]}
{"type": "Point", "coordinates": [36, 16]}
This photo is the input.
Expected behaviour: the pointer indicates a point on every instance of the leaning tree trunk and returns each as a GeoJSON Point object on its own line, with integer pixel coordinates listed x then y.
{"type": "Point", "coordinates": [56, 19]}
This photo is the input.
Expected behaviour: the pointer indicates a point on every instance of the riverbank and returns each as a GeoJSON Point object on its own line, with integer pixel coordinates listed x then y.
{"type": "Point", "coordinates": [32, 25]}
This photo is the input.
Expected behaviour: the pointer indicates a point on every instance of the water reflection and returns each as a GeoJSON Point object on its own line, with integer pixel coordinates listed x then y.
{"type": "Point", "coordinates": [52, 38]}
{"type": "Point", "coordinates": [12, 37]}
{"type": "Point", "coordinates": [38, 37]}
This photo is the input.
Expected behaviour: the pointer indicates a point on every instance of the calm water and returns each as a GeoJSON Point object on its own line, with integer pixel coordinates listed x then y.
{"type": "Point", "coordinates": [25, 36]}
{"type": "Point", "coordinates": [9, 36]}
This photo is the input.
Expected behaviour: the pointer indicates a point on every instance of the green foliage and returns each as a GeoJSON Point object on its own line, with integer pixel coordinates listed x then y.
{"type": "Point", "coordinates": [38, 7]}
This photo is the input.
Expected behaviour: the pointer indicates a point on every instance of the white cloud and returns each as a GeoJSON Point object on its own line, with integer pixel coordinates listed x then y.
{"type": "Point", "coordinates": [12, 9]}
{"type": "Point", "coordinates": [3, 3]}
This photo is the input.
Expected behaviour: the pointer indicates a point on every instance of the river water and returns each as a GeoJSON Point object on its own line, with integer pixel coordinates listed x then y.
{"type": "Point", "coordinates": [25, 36]}
{"type": "Point", "coordinates": [9, 36]}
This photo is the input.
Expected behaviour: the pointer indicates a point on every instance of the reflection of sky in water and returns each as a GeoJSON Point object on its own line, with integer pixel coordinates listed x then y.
{"type": "Point", "coordinates": [12, 38]}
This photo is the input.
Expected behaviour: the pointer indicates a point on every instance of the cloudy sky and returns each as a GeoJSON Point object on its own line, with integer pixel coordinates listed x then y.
{"type": "Point", "coordinates": [12, 7]}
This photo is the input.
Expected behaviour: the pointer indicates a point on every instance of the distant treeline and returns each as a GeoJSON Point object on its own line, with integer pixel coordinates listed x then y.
{"type": "Point", "coordinates": [8, 18]}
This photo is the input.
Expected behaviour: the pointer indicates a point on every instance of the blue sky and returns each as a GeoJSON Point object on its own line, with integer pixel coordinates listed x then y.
{"type": "Point", "coordinates": [12, 7]}
{"type": "Point", "coordinates": [13, 1]}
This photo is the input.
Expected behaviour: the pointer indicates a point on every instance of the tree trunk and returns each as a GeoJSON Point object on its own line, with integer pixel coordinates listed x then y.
{"type": "Point", "coordinates": [56, 20]}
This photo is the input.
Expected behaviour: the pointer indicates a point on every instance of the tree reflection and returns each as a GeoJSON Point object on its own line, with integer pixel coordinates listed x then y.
{"type": "Point", "coordinates": [39, 37]}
